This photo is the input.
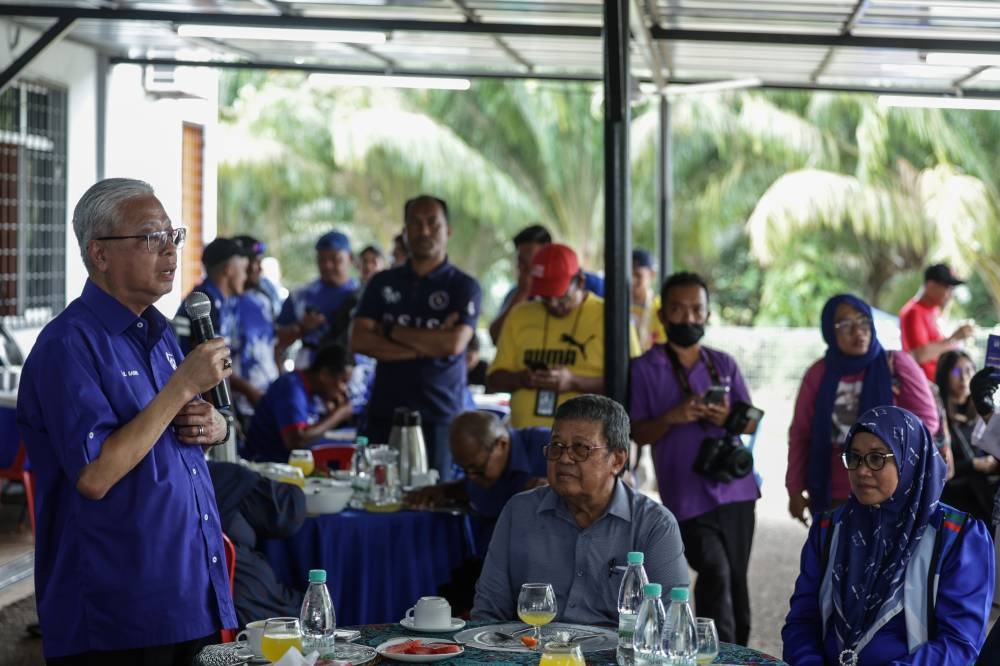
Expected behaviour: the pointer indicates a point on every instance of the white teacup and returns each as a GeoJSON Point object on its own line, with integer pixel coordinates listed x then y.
{"type": "Point", "coordinates": [250, 637]}
{"type": "Point", "coordinates": [428, 478]}
{"type": "Point", "coordinates": [431, 613]}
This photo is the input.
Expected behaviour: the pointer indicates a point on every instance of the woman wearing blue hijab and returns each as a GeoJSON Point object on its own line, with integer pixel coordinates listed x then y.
{"type": "Point", "coordinates": [893, 576]}
{"type": "Point", "coordinates": [854, 375]}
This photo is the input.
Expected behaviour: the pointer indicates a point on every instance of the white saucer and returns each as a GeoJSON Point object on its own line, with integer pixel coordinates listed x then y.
{"type": "Point", "coordinates": [456, 624]}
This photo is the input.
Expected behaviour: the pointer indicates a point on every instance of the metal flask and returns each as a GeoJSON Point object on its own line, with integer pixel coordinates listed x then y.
{"type": "Point", "coordinates": [407, 438]}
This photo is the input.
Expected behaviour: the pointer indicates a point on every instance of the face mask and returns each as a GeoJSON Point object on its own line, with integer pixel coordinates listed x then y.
{"type": "Point", "coordinates": [685, 335]}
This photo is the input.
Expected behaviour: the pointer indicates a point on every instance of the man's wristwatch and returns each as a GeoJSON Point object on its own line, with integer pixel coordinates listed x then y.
{"type": "Point", "coordinates": [230, 419]}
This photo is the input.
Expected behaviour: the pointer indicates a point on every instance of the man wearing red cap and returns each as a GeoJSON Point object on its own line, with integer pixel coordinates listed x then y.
{"type": "Point", "coordinates": [918, 319]}
{"type": "Point", "coordinates": [552, 348]}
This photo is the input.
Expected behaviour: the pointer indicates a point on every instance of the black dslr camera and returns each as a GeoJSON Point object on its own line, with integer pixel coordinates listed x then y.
{"type": "Point", "coordinates": [725, 458]}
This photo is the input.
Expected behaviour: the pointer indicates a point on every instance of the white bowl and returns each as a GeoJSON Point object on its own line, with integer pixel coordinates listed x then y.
{"type": "Point", "coordinates": [327, 498]}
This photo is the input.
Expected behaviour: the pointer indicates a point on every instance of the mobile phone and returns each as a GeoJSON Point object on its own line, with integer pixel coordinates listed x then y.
{"type": "Point", "coordinates": [537, 366]}
{"type": "Point", "coordinates": [716, 395]}
{"type": "Point", "coordinates": [993, 351]}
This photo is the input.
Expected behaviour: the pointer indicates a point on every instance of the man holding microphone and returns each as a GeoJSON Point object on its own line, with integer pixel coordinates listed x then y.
{"type": "Point", "coordinates": [129, 562]}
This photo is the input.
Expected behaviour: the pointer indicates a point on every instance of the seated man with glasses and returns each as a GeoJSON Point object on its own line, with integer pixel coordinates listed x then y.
{"type": "Point", "coordinates": [576, 532]}
{"type": "Point", "coordinates": [552, 348]}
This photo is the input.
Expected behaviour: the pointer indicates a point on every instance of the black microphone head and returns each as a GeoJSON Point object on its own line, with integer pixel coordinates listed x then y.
{"type": "Point", "coordinates": [198, 305]}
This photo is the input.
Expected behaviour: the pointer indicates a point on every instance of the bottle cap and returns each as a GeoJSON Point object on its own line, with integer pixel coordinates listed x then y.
{"type": "Point", "coordinates": [680, 594]}
{"type": "Point", "coordinates": [652, 589]}
{"type": "Point", "coordinates": [361, 441]}
{"type": "Point", "coordinates": [317, 575]}
{"type": "Point", "coordinates": [635, 557]}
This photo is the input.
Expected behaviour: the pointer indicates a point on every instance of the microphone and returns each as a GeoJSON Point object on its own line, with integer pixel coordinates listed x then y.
{"type": "Point", "coordinates": [199, 310]}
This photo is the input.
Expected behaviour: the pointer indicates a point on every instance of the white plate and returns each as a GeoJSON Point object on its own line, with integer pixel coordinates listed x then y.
{"type": "Point", "coordinates": [456, 624]}
{"type": "Point", "coordinates": [417, 658]}
{"type": "Point", "coordinates": [593, 638]}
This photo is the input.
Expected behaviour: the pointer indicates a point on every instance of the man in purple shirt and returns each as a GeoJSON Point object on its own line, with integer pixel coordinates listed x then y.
{"type": "Point", "coordinates": [673, 408]}
{"type": "Point", "coordinates": [129, 561]}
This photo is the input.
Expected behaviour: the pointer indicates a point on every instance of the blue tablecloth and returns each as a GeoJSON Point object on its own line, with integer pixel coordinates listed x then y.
{"type": "Point", "coordinates": [377, 564]}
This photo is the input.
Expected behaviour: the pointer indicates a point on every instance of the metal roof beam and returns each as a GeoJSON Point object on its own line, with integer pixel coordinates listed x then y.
{"type": "Point", "coordinates": [976, 71]}
{"type": "Point", "coordinates": [859, 9]}
{"type": "Point", "coordinates": [57, 30]}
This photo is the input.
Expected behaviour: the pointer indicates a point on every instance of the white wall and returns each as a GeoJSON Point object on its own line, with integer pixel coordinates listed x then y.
{"type": "Point", "coordinates": [143, 133]}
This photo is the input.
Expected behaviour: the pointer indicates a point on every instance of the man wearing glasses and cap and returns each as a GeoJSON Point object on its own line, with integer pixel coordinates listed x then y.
{"type": "Point", "coordinates": [918, 319]}
{"type": "Point", "coordinates": [129, 561]}
{"type": "Point", "coordinates": [318, 313]}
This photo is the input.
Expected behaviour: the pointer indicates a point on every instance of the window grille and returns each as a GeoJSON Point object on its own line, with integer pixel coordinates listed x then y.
{"type": "Point", "coordinates": [32, 198]}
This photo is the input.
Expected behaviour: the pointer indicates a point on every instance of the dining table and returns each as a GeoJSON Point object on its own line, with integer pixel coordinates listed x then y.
{"type": "Point", "coordinates": [374, 635]}
{"type": "Point", "coordinates": [377, 564]}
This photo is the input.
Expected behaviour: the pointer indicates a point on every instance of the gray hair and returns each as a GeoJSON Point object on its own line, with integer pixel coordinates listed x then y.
{"type": "Point", "coordinates": [98, 211]}
{"type": "Point", "coordinates": [590, 407]}
{"type": "Point", "coordinates": [483, 428]}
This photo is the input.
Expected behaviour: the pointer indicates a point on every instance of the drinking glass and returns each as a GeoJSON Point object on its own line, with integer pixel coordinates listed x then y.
{"type": "Point", "coordinates": [280, 634]}
{"type": "Point", "coordinates": [708, 640]}
{"type": "Point", "coordinates": [562, 654]}
{"type": "Point", "coordinates": [303, 459]}
{"type": "Point", "coordinates": [536, 605]}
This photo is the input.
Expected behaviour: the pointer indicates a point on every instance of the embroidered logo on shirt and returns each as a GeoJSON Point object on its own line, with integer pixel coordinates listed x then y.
{"type": "Point", "coordinates": [130, 373]}
{"type": "Point", "coordinates": [390, 295]}
{"type": "Point", "coordinates": [438, 300]}
{"type": "Point", "coordinates": [171, 360]}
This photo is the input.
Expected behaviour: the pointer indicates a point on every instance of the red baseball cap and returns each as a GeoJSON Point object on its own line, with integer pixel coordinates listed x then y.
{"type": "Point", "coordinates": [552, 269]}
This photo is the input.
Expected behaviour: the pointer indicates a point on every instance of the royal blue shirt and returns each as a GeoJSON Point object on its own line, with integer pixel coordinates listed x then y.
{"type": "Point", "coordinates": [525, 462]}
{"type": "Point", "coordinates": [287, 405]}
{"type": "Point", "coordinates": [434, 386]}
{"type": "Point", "coordinates": [324, 298]}
{"type": "Point", "coordinates": [253, 345]}
{"type": "Point", "coordinates": [223, 315]}
{"type": "Point", "coordinates": [144, 565]}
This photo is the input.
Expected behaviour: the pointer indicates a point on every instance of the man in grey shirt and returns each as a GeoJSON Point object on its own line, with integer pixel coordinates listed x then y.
{"type": "Point", "coordinates": [575, 532]}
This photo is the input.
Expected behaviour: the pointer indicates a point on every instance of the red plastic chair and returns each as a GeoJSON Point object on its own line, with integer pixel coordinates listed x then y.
{"type": "Point", "coordinates": [229, 635]}
{"type": "Point", "coordinates": [341, 454]}
{"type": "Point", "coordinates": [28, 479]}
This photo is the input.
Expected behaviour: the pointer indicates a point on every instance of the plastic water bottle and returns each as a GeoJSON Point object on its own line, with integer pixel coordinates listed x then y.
{"type": "Point", "coordinates": [650, 628]}
{"type": "Point", "coordinates": [630, 596]}
{"type": "Point", "coordinates": [360, 466]}
{"type": "Point", "coordinates": [318, 620]}
{"type": "Point", "coordinates": [682, 632]}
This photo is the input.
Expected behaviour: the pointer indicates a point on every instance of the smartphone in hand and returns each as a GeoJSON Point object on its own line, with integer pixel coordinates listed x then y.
{"type": "Point", "coordinates": [716, 395]}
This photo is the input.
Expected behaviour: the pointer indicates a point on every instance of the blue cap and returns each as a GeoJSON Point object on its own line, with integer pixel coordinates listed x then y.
{"type": "Point", "coordinates": [642, 258]}
{"type": "Point", "coordinates": [680, 594]}
{"type": "Point", "coordinates": [652, 589]}
{"type": "Point", "coordinates": [635, 557]}
{"type": "Point", "coordinates": [317, 575]}
{"type": "Point", "coordinates": [334, 240]}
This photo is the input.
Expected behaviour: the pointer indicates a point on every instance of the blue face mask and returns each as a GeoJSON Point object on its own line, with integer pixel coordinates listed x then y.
{"type": "Point", "coordinates": [685, 335]}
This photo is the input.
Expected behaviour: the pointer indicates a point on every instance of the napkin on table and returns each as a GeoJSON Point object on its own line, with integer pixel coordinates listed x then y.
{"type": "Point", "coordinates": [294, 658]}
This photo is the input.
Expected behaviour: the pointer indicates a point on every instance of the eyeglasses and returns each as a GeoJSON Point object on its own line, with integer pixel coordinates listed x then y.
{"type": "Point", "coordinates": [577, 452]}
{"type": "Point", "coordinates": [874, 460]}
{"type": "Point", "coordinates": [156, 241]}
{"type": "Point", "coordinates": [863, 324]}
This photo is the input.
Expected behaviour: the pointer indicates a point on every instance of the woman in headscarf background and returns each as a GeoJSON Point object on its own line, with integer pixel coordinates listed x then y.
{"type": "Point", "coordinates": [892, 576]}
{"type": "Point", "coordinates": [854, 375]}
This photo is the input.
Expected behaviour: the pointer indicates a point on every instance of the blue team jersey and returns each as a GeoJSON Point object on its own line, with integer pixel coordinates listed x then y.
{"type": "Point", "coordinates": [287, 405]}
{"type": "Point", "coordinates": [325, 298]}
{"type": "Point", "coordinates": [253, 344]}
{"type": "Point", "coordinates": [145, 565]}
{"type": "Point", "coordinates": [223, 315]}
{"type": "Point", "coordinates": [434, 386]}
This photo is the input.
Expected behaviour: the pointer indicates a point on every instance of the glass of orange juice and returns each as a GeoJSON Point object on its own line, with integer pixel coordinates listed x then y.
{"type": "Point", "coordinates": [280, 634]}
{"type": "Point", "coordinates": [303, 459]}
{"type": "Point", "coordinates": [562, 654]}
{"type": "Point", "coordinates": [536, 605]}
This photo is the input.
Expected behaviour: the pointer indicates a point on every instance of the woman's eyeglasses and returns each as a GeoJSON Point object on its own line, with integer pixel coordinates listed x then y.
{"type": "Point", "coordinates": [874, 460]}
{"type": "Point", "coordinates": [863, 324]}
{"type": "Point", "coordinates": [577, 452]}
{"type": "Point", "coordinates": [156, 241]}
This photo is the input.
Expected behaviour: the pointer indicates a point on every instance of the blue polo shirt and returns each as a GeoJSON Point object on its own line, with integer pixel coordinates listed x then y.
{"type": "Point", "coordinates": [253, 345]}
{"type": "Point", "coordinates": [287, 405]}
{"type": "Point", "coordinates": [434, 386]}
{"type": "Point", "coordinates": [145, 565]}
{"type": "Point", "coordinates": [223, 315]}
{"type": "Point", "coordinates": [524, 463]}
{"type": "Point", "coordinates": [322, 297]}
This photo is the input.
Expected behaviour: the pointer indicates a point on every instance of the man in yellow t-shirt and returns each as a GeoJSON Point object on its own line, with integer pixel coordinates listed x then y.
{"type": "Point", "coordinates": [552, 348]}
